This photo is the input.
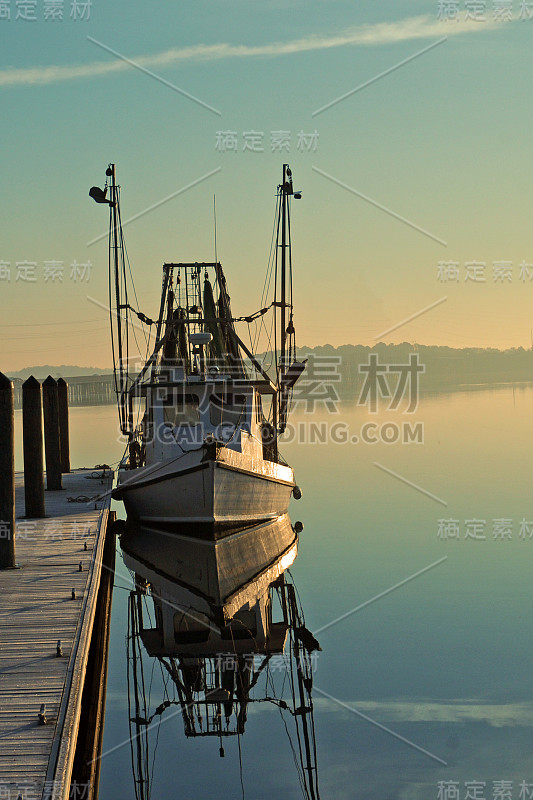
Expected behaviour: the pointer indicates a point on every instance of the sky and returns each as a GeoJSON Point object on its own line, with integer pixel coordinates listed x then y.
{"type": "Point", "coordinates": [407, 128]}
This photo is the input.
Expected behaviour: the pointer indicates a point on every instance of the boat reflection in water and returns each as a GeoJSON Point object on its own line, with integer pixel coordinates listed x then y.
{"type": "Point", "coordinates": [221, 622]}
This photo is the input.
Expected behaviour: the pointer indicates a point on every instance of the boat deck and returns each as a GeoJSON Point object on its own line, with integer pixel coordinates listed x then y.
{"type": "Point", "coordinates": [37, 610]}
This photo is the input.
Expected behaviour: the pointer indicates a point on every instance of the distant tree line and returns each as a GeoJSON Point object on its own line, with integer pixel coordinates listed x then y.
{"type": "Point", "coordinates": [446, 368]}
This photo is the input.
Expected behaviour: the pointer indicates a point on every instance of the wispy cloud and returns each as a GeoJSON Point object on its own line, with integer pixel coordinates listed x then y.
{"type": "Point", "coordinates": [454, 711]}
{"type": "Point", "coordinates": [421, 27]}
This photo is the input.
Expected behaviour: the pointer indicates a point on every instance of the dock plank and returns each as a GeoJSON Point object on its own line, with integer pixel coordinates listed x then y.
{"type": "Point", "coordinates": [37, 610]}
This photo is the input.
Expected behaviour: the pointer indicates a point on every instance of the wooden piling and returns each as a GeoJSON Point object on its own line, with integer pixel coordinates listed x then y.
{"type": "Point", "coordinates": [7, 473]}
{"type": "Point", "coordinates": [51, 435]}
{"type": "Point", "coordinates": [32, 431]}
{"type": "Point", "coordinates": [64, 440]}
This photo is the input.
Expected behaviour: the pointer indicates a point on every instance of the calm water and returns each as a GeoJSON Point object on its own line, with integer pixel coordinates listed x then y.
{"type": "Point", "coordinates": [443, 661]}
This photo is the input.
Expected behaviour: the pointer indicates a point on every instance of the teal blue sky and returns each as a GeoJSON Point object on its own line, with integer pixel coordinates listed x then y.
{"type": "Point", "coordinates": [442, 141]}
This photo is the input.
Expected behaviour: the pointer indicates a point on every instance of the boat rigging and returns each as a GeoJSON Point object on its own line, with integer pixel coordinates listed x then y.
{"type": "Point", "coordinates": [203, 395]}
{"type": "Point", "coordinates": [213, 683]}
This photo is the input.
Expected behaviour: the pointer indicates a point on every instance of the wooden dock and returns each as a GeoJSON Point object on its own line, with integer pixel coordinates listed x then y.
{"type": "Point", "coordinates": [48, 600]}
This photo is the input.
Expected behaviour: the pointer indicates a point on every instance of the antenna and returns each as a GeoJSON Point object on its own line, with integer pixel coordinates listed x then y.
{"type": "Point", "coordinates": [215, 223]}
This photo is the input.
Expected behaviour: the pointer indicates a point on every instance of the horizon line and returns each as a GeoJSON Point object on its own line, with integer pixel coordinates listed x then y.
{"type": "Point", "coordinates": [380, 345]}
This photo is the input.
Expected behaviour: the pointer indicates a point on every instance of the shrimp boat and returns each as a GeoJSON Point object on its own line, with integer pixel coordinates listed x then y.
{"type": "Point", "coordinates": [203, 416]}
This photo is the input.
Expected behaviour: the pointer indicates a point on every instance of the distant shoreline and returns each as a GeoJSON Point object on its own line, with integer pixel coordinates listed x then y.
{"type": "Point", "coordinates": [445, 370]}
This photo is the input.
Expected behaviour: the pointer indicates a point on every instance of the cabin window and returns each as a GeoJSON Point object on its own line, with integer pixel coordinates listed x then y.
{"type": "Point", "coordinates": [147, 426]}
{"type": "Point", "coordinates": [229, 409]}
{"type": "Point", "coordinates": [181, 409]}
{"type": "Point", "coordinates": [258, 408]}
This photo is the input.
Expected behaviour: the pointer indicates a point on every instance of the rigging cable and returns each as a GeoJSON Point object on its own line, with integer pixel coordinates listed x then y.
{"type": "Point", "coordinates": [110, 300]}
{"type": "Point", "coordinates": [270, 263]}
{"type": "Point", "coordinates": [240, 763]}
{"type": "Point", "coordinates": [215, 222]}
{"type": "Point", "coordinates": [292, 334]}
{"type": "Point", "coordinates": [297, 763]}
{"type": "Point", "coordinates": [294, 654]}
{"type": "Point", "coordinates": [276, 293]}
{"type": "Point", "coordinates": [304, 682]}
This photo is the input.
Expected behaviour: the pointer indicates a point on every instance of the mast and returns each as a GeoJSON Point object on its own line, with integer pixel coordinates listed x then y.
{"type": "Point", "coordinates": [286, 330]}
{"type": "Point", "coordinates": [167, 270]}
{"type": "Point", "coordinates": [118, 298]}
{"type": "Point", "coordinates": [283, 299]}
{"type": "Point", "coordinates": [114, 248]}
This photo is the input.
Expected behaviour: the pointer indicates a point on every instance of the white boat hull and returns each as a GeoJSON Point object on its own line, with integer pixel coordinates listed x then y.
{"type": "Point", "coordinates": [229, 489]}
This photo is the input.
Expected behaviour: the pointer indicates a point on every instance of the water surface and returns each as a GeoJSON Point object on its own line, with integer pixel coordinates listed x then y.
{"type": "Point", "coordinates": [442, 661]}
